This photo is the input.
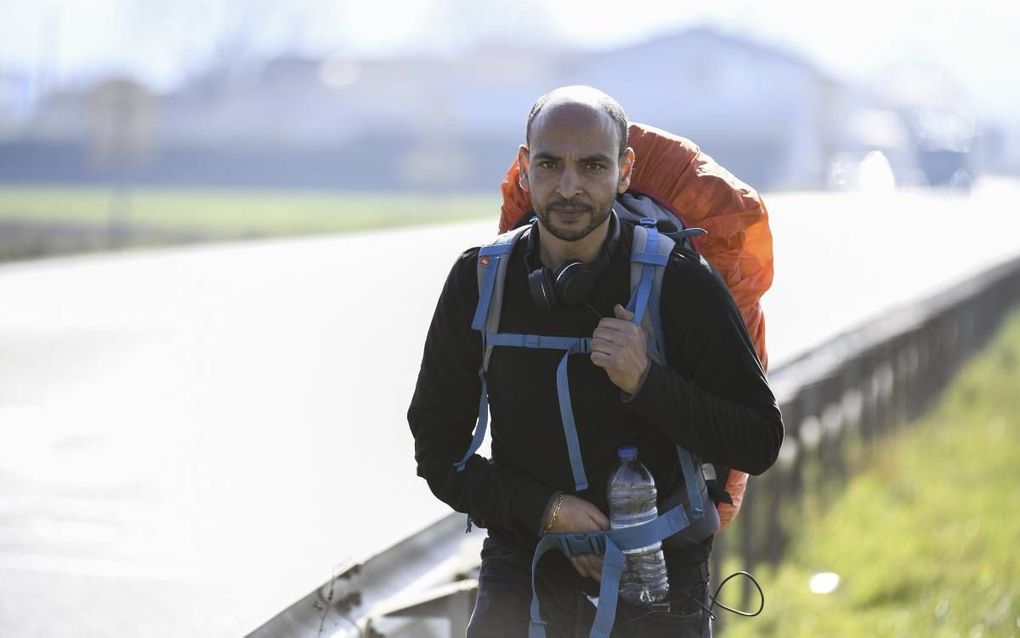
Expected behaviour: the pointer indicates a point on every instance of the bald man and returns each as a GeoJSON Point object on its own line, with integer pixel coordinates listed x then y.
{"type": "Point", "coordinates": [712, 398]}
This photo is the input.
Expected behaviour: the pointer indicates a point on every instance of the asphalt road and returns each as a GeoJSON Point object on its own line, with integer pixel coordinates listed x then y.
{"type": "Point", "coordinates": [192, 439]}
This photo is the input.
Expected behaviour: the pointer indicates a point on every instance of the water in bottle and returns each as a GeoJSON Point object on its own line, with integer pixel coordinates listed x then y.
{"type": "Point", "coordinates": [632, 499]}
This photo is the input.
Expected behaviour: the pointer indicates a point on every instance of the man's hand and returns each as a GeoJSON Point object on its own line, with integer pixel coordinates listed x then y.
{"type": "Point", "coordinates": [578, 515]}
{"type": "Point", "coordinates": [620, 346]}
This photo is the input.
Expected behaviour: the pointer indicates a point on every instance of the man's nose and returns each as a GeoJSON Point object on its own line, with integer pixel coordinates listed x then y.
{"type": "Point", "coordinates": [569, 184]}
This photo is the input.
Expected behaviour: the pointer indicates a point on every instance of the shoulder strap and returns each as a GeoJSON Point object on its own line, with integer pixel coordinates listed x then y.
{"type": "Point", "coordinates": [492, 264]}
{"type": "Point", "coordinates": [649, 255]}
{"type": "Point", "coordinates": [648, 258]}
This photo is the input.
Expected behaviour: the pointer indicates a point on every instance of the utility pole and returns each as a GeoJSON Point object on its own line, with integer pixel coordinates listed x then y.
{"type": "Point", "coordinates": [121, 119]}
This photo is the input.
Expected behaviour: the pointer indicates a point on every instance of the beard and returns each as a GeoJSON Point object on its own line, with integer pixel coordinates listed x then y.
{"type": "Point", "coordinates": [591, 217]}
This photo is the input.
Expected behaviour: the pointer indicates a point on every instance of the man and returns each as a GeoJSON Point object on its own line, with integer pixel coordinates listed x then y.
{"type": "Point", "coordinates": [712, 399]}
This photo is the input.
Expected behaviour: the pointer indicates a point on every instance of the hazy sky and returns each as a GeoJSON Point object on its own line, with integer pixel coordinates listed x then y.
{"type": "Point", "coordinates": [974, 44]}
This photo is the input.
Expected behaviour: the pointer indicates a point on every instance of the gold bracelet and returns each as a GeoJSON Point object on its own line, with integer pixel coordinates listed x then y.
{"type": "Point", "coordinates": [555, 513]}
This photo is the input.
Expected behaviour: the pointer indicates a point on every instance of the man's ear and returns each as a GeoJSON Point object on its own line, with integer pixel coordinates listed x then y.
{"type": "Point", "coordinates": [523, 160]}
{"type": "Point", "coordinates": [626, 169]}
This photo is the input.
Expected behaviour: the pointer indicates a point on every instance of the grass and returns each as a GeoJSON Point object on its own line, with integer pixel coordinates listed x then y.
{"type": "Point", "coordinates": [233, 213]}
{"type": "Point", "coordinates": [926, 539]}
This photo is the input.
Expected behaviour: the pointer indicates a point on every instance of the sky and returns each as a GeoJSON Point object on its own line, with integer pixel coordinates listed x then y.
{"type": "Point", "coordinates": [969, 45]}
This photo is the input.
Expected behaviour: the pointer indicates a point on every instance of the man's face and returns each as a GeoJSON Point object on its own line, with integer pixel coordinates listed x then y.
{"type": "Point", "coordinates": [573, 169]}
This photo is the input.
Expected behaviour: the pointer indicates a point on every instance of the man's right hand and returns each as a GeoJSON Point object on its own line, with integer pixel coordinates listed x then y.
{"type": "Point", "coordinates": [578, 515]}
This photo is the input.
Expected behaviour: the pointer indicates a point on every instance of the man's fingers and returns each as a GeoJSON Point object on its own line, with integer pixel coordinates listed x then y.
{"type": "Point", "coordinates": [588, 565]}
{"type": "Point", "coordinates": [623, 313]}
{"type": "Point", "coordinates": [601, 359]}
{"type": "Point", "coordinates": [598, 518]}
{"type": "Point", "coordinates": [616, 329]}
{"type": "Point", "coordinates": [615, 325]}
{"type": "Point", "coordinates": [619, 340]}
{"type": "Point", "coordinates": [599, 344]}
{"type": "Point", "coordinates": [594, 567]}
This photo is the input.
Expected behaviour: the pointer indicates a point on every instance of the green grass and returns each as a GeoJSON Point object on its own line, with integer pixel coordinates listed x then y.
{"type": "Point", "coordinates": [926, 539]}
{"type": "Point", "coordinates": [223, 212]}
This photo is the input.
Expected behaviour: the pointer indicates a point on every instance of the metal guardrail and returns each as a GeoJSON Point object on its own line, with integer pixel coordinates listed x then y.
{"type": "Point", "coordinates": [843, 395]}
{"type": "Point", "coordinates": [412, 579]}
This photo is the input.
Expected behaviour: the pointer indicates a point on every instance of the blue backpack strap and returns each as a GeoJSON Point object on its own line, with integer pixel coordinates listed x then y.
{"type": "Point", "coordinates": [567, 414]}
{"type": "Point", "coordinates": [611, 545]}
{"type": "Point", "coordinates": [649, 255]}
{"type": "Point", "coordinates": [514, 340]}
{"type": "Point", "coordinates": [613, 563]}
{"type": "Point", "coordinates": [481, 425]}
{"type": "Point", "coordinates": [598, 543]}
{"type": "Point", "coordinates": [493, 261]}
{"type": "Point", "coordinates": [694, 480]}
{"type": "Point", "coordinates": [571, 345]}
{"type": "Point", "coordinates": [492, 265]}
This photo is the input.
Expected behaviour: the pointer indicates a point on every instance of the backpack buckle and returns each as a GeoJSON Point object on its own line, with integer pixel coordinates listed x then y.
{"type": "Point", "coordinates": [576, 544]}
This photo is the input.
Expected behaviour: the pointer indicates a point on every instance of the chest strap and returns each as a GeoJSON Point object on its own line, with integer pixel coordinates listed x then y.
{"type": "Point", "coordinates": [570, 345]}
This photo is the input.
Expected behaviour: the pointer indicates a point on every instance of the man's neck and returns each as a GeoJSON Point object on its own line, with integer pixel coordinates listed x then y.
{"type": "Point", "coordinates": [554, 252]}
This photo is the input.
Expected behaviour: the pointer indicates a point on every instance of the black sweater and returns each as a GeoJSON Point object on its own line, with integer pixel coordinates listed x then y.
{"type": "Point", "coordinates": [713, 399]}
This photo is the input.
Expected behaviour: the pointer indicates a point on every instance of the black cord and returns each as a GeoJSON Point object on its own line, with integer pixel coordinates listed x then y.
{"type": "Point", "coordinates": [715, 597]}
{"type": "Point", "coordinates": [598, 315]}
{"type": "Point", "coordinates": [714, 600]}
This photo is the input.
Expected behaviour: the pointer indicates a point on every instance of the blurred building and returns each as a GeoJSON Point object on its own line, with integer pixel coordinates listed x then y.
{"type": "Point", "coordinates": [454, 123]}
{"type": "Point", "coordinates": [17, 94]}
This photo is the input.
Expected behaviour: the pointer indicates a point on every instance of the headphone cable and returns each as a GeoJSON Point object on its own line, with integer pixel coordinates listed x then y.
{"type": "Point", "coordinates": [714, 599]}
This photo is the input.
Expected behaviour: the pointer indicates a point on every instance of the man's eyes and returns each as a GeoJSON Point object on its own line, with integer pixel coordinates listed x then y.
{"type": "Point", "coordinates": [588, 166]}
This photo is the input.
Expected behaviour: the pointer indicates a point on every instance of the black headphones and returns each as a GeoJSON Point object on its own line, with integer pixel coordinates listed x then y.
{"type": "Point", "coordinates": [571, 284]}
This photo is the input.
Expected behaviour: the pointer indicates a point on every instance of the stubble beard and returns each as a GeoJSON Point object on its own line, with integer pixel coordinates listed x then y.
{"type": "Point", "coordinates": [596, 219]}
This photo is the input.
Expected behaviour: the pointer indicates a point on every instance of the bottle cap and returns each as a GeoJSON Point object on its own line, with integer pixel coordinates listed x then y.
{"type": "Point", "coordinates": [627, 452]}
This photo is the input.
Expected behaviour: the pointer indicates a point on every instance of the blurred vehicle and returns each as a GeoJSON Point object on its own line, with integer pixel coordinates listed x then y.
{"type": "Point", "coordinates": [945, 139]}
{"type": "Point", "coordinates": [876, 152]}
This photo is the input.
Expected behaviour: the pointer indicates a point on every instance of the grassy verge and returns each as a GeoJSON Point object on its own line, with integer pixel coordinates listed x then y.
{"type": "Point", "coordinates": [243, 213]}
{"type": "Point", "coordinates": [926, 539]}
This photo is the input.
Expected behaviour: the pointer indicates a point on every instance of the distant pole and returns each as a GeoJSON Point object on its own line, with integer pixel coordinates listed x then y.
{"type": "Point", "coordinates": [121, 118]}
{"type": "Point", "coordinates": [47, 55]}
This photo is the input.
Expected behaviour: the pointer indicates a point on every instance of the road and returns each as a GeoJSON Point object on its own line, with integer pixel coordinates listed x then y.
{"type": "Point", "coordinates": [191, 439]}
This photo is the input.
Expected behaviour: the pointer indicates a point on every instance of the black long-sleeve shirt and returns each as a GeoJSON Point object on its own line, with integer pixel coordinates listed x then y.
{"type": "Point", "coordinates": [713, 399]}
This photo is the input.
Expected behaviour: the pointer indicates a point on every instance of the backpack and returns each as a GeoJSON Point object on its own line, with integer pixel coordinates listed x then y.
{"type": "Point", "coordinates": [689, 188]}
{"type": "Point", "coordinates": [692, 519]}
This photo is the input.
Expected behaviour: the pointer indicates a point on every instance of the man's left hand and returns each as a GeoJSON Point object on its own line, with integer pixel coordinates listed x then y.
{"type": "Point", "coordinates": [620, 346]}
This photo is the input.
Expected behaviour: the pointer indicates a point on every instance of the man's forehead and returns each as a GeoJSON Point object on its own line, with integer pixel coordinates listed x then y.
{"type": "Point", "coordinates": [575, 124]}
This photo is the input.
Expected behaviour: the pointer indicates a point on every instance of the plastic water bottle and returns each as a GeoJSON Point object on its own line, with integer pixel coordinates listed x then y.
{"type": "Point", "coordinates": [632, 497]}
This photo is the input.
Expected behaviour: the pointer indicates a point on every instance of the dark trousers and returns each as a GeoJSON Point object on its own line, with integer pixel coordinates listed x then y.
{"type": "Point", "coordinates": [504, 599]}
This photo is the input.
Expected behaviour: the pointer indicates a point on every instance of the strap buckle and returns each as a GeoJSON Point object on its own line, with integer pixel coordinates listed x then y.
{"type": "Point", "coordinates": [577, 544]}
